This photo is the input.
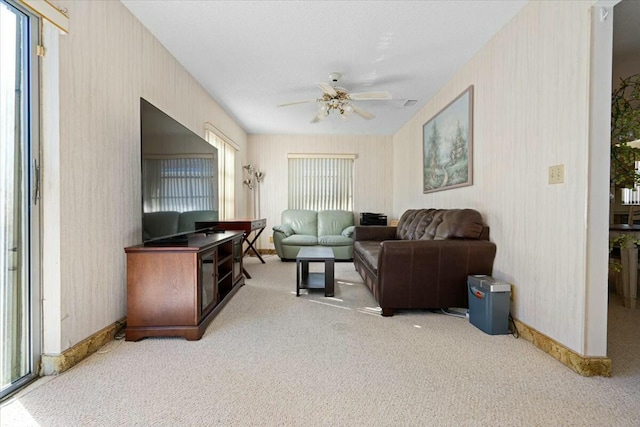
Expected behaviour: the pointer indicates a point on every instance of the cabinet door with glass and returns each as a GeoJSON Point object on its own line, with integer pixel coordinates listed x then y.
{"type": "Point", "coordinates": [208, 281]}
{"type": "Point", "coordinates": [237, 258]}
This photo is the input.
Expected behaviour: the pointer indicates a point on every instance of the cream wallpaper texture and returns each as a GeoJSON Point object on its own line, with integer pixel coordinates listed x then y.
{"type": "Point", "coordinates": [107, 62]}
{"type": "Point", "coordinates": [531, 111]}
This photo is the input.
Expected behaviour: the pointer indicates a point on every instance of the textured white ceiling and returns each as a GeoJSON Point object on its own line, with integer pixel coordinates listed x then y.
{"type": "Point", "coordinates": [253, 55]}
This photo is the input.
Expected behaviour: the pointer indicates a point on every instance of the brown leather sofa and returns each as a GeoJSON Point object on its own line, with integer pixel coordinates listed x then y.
{"type": "Point", "coordinates": [423, 262]}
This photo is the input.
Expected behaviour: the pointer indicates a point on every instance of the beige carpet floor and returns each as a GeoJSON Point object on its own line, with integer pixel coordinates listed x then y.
{"type": "Point", "coordinates": [273, 359]}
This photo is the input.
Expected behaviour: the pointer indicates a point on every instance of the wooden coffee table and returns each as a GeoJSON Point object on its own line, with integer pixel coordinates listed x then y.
{"type": "Point", "coordinates": [306, 280]}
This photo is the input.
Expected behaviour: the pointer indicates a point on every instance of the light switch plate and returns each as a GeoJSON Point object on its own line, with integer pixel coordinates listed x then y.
{"type": "Point", "coordinates": [556, 174]}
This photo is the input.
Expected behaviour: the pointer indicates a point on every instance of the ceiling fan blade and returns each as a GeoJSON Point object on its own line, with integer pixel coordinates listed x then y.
{"type": "Point", "coordinates": [295, 102]}
{"type": "Point", "coordinates": [321, 115]}
{"type": "Point", "coordinates": [370, 95]}
{"type": "Point", "coordinates": [326, 88]}
{"type": "Point", "coordinates": [362, 113]}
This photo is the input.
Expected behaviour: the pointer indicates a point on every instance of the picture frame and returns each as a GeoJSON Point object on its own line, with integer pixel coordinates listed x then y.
{"type": "Point", "coordinates": [447, 146]}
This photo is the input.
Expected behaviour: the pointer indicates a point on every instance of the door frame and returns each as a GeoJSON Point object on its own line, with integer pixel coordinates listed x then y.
{"type": "Point", "coordinates": [32, 174]}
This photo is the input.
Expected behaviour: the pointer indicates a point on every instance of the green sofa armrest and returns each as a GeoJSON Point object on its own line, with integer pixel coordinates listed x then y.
{"type": "Point", "coordinates": [284, 228]}
{"type": "Point", "coordinates": [348, 232]}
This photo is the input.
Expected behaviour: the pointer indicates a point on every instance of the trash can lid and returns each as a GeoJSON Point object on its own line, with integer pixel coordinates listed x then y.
{"type": "Point", "coordinates": [490, 284]}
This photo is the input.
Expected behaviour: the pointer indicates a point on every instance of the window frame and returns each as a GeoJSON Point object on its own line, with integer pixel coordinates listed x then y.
{"type": "Point", "coordinates": [226, 170]}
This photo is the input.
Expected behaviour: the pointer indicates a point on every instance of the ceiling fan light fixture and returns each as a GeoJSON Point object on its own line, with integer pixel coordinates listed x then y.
{"type": "Point", "coordinates": [340, 101]}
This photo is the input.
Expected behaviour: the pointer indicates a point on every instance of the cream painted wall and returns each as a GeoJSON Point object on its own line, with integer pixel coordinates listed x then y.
{"type": "Point", "coordinates": [106, 63]}
{"type": "Point", "coordinates": [372, 169]}
{"type": "Point", "coordinates": [531, 111]}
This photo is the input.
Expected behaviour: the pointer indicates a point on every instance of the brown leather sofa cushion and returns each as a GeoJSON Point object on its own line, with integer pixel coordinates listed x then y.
{"type": "Point", "coordinates": [413, 223]}
{"type": "Point", "coordinates": [439, 224]}
{"type": "Point", "coordinates": [369, 250]}
{"type": "Point", "coordinates": [459, 224]}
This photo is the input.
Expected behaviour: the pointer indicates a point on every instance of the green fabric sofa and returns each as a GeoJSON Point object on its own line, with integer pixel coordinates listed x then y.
{"type": "Point", "coordinates": [300, 227]}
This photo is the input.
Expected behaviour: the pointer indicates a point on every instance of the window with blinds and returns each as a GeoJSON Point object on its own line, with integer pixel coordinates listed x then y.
{"type": "Point", "coordinates": [226, 171]}
{"type": "Point", "coordinates": [321, 183]}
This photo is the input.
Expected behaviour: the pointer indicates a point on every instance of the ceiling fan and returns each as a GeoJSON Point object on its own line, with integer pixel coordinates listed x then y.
{"type": "Point", "coordinates": [338, 100]}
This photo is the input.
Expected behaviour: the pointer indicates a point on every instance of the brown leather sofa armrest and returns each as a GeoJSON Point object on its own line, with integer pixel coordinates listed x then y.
{"type": "Point", "coordinates": [374, 232]}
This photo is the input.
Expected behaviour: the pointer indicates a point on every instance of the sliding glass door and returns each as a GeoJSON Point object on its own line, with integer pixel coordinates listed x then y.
{"type": "Point", "coordinates": [19, 236]}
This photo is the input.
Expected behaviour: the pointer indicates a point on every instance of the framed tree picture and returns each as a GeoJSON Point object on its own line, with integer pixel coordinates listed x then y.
{"type": "Point", "coordinates": [447, 146]}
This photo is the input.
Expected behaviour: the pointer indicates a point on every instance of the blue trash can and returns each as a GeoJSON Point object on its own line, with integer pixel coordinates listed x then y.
{"type": "Point", "coordinates": [489, 301]}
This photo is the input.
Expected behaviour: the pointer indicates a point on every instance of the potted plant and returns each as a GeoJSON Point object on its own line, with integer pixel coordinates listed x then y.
{"type": "Point", "coordinates": [625, 150]}
{"type": "Point", "coordinates": [625, 128]}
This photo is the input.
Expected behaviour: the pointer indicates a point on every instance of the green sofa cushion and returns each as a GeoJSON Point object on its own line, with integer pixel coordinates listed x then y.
{"type": "Point", "coordinates": [333, 222]}
{"type": "Point", "coordinates": [300, 240]}
{"type": "Point", "coordinates": [301, 221]}
{"type": "Point", "coordinates": [335, 241]}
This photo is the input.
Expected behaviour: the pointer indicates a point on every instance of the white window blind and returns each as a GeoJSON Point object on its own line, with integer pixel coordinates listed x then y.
{"type": "Point", "coordinates": [178, 184]}
{"type": "Point", "coordinates": [226, 172]}
{"type": "Point", "coordinates": [321, 183]}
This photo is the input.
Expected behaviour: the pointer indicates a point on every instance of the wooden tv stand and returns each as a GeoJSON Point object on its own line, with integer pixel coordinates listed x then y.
{"type": "Point", "coordinates": [178, 288]}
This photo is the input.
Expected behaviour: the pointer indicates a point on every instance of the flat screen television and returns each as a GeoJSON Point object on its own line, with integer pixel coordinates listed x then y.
{"type": "Point", "coordinates": [179, 177]}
